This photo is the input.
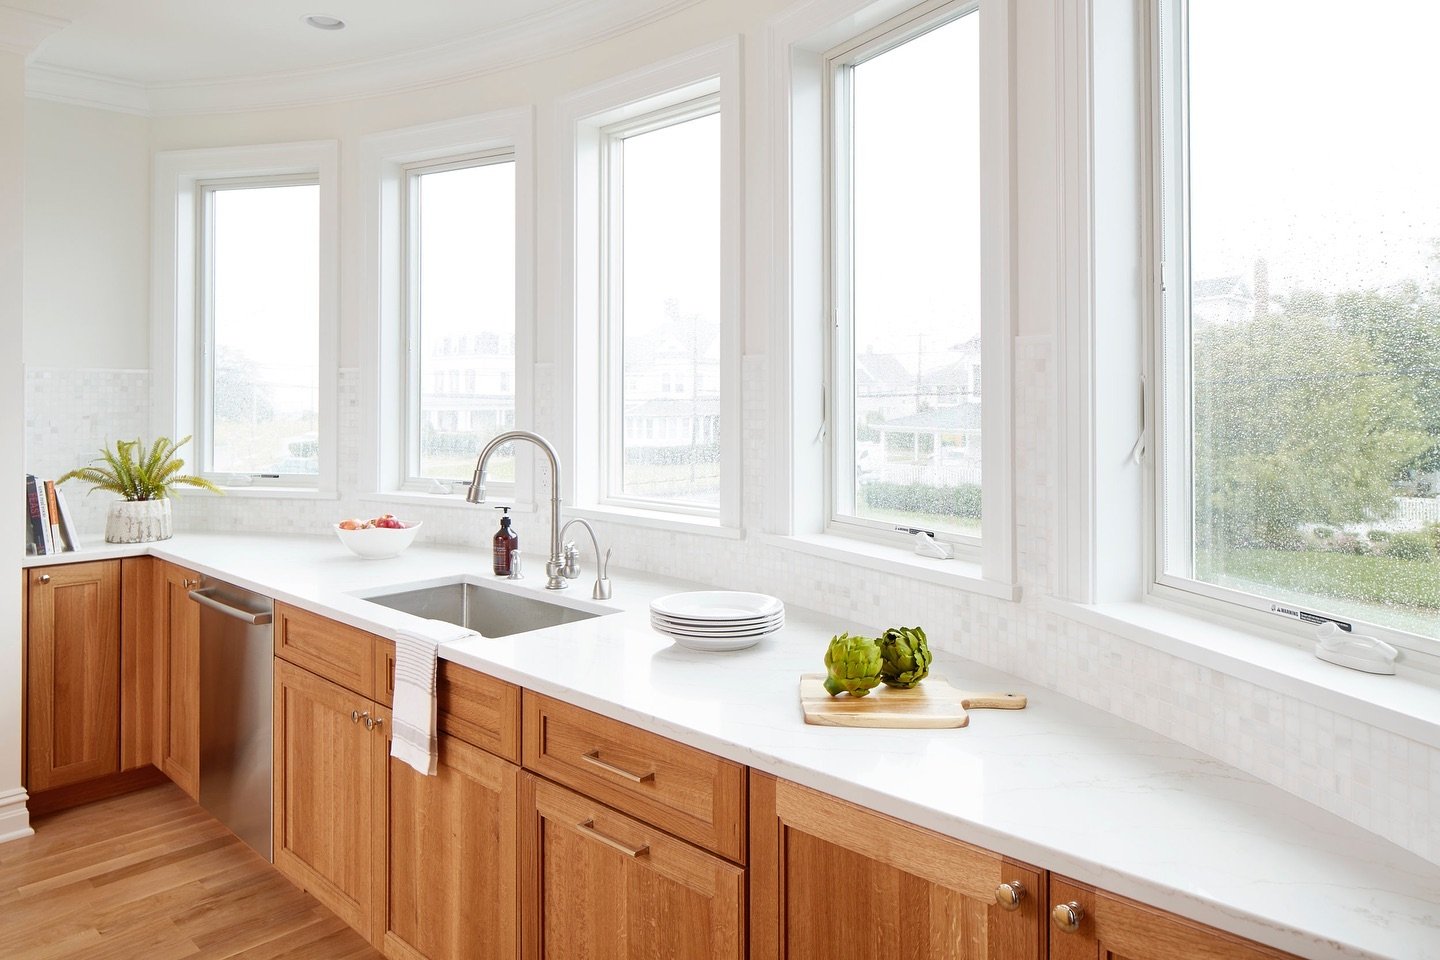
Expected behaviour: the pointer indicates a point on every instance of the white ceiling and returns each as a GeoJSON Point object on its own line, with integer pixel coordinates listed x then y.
{"type": "Point", "coordinates": [166, 42]}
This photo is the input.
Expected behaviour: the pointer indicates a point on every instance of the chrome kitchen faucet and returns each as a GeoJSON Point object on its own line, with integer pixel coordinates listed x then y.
{"type": "Point", "coordinates": [555, 566]}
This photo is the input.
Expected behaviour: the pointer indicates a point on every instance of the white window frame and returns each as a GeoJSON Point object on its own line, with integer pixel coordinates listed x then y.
{"type": "Point", "coordinates": [412, 388]}
{"type": "Point", "coordinates": [582, 417]}
{"type": "Point", "coordinates": [612, 322]}
{"type": "Point", "coordinates": [795, 261]}
{"type": "Point", "coordinates": [387, 162]}
{"type": "Point", "coordinates": [1168, 368]}
{"type": "Point", "coordinates": [179, 308]}
{"type": "Point", "coordinates": [839, 385]}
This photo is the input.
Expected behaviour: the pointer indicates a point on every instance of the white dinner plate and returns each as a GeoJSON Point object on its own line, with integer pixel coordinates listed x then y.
{"type": "Point", "coordinates": [719, 624]}
{"type": "Point", "coordinates": [715, 644]}
{"type": "Point", "coordinates": [716, 605]}
{"type": "Point", "coordinates": [760, 630]}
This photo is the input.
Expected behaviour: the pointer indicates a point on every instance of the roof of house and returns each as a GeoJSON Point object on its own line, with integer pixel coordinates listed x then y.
{"type": "Point", "coordinates": [1215, 287]}
{"type": "Point", "coordinates": [965, 416]}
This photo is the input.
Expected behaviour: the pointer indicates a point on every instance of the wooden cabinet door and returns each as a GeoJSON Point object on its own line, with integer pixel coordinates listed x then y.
{"type": "Point", "coordinates": [180, 689]}
{"type": "Point", "coordinates": [600, 885]}
{"type": "Point", "coordinates": [1114, 928]}
{"type": "Point", "coordinates": [452, 865]}
{"type": "Point", "coordinates": [330, 787]}
{"type": "Point", "coordinates": [830, 879]}
{"type": "Point", "coordinates": [73, 666]}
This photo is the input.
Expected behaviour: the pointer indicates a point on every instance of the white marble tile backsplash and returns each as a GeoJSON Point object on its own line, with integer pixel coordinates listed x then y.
{"type": "Point", "coordinates": [1379, 780]}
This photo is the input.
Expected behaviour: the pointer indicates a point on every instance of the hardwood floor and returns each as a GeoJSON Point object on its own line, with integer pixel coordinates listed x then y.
{"type": "Point", "coordinates": [151, 876]}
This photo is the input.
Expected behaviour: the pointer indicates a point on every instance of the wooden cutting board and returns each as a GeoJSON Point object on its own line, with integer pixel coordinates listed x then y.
{"type": "Point", "coordinates": [934, 704]}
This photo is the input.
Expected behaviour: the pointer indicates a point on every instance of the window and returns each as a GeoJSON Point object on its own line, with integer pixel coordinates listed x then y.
{"type": "Point", "coordinates": [461, 273]}
{"type": "Point", "coordinates": [662, 278]}
{"type": "Point", "coordinates": [1299, 349]}
{"type": "Point", "coordinates": [244, 337]}
{"type": "Point", "coordinates": [903, 162]}
{"type": "Point", "coordinates": [449, 286]}
{"type": "Point", "coordinates": [259, 389]}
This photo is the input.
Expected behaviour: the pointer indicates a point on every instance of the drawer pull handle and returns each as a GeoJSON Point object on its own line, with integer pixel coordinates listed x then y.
{"type": "Point", "coordinates": [634, 853]}
{"type": "Point", "coordinates": [593, 758]}
{"type": "Point", "coordinates": [372, 722]}
{"type": "Point", "coordinates": [356, 716]}
{"type": "Point", "coordinates": [1067, 916]}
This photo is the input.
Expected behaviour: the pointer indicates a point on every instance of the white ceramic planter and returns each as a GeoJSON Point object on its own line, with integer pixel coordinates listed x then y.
{"type": "Point", "coordinates": [138, 521]}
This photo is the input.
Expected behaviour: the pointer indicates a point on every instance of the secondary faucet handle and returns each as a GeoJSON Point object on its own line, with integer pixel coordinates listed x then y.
{"type": "Point", "coordinates": [571, 570]}
{"type": "Point", "coordinates": [515, 573]}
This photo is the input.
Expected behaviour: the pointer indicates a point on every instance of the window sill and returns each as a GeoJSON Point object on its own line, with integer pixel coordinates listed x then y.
{"type": "Point", "coordinates": [656, 520]}
{"type": "Point", "coordinates": [269, 493]}
{"type": "Point", "coordinates": [959, 574]}
{"type": "Point", "coordinates": [406, 498]}
{"type": "Point", "coordinates": [1407, 704]}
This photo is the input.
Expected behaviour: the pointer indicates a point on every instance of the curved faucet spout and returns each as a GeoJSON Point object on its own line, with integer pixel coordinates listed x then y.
{"type": "Point", "coordinates": [477, 495]}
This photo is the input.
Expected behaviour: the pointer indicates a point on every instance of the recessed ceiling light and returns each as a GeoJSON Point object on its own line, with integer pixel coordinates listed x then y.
{"type": "Point", "coordinates": [321, 22]}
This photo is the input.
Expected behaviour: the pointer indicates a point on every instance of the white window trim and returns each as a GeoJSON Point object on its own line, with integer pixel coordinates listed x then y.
{"type": "Point", "coordinates": [1108, 353]}
{"type": "Point", "coordinates": [175, 313]}
{"type": "Point", "coordinates": [794, 260]}
{"type": "Point", "coordinates": [582, 118]}
{"type": "Point", "coordinates": [386, 160]}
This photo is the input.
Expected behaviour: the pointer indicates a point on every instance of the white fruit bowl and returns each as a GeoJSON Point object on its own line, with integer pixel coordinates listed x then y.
{"type": "Point", "coordinates": [378, 543]}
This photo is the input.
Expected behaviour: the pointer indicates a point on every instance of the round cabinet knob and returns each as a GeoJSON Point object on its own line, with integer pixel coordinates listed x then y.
{"type": "Point", "coordinates": [44, 578]}
{"type": "Point", "coordinates": [1067, 916]}
{"type": "Point", "coordinates": [355, 716]}
{"type": "Point", "coordinates": [1008, 895]}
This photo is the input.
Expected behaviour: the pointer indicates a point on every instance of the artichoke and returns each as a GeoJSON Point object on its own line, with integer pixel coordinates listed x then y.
{"type": "Point", "coordinates": [852, 665]}
{"type": "Point", "coordinates": [906, 657]}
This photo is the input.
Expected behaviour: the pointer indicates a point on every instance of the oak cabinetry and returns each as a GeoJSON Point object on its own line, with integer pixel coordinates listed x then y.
{"type": "Point", "coordinates": [1090, 924]}
{"type": "Point", "coordinates": [831, 879]}
{"type": "Point", "coordinates": [73, 673]}
{"type": "Point", "coordinates": [335, 651]}
{"type": "Point", "coordinates": [330, 794]}
{"type": "Point", "coordinates": [690, 793]}
{"type": "Point", "coordinates": [179, 633]}
{"type": "Point", "coordinates": [602, 885]}
{"type": "Point", "coordinates": [451, 874]}
{"type": "Point", "coordinates": [141, 695]}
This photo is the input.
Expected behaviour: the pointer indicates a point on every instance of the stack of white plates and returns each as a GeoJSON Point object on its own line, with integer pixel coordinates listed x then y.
{"type": "Point", "coordinates": [717, 619]}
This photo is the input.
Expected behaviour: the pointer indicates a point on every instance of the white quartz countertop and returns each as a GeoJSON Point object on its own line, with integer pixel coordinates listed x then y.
{"type": "Point", "coordinates": [1061, 785]}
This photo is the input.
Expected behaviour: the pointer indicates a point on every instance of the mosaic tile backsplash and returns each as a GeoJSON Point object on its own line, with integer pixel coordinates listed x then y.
{"type": "Point", "coordinates": [1384, 782]}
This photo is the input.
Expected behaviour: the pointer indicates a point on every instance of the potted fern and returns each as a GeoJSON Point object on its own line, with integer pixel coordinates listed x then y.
{"type": "Point", "coordinates": [143, 479]}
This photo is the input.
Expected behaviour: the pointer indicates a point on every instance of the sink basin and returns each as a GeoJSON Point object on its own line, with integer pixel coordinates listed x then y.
{"type": "Point", "coordinates": [489, 611]}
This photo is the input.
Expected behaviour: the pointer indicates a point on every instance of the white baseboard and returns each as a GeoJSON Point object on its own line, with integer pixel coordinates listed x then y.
{"type": "Point", "coordinates": [14, 817]}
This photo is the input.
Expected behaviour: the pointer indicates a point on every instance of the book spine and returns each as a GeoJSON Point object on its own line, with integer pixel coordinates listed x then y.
{"type": "Point", "coordinates": [67, 521]}
{"type": "Point", "coordinates": [37, 520]}
{"type": "Point", "coordinates": [52, 507]}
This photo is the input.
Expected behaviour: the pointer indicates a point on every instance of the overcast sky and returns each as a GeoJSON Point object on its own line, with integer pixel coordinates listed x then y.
{"type": "Point", "coordinates": [1314, 141]}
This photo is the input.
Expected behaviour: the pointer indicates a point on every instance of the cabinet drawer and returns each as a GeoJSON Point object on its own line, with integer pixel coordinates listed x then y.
{"type": "Point", "coordinates": [478, 709]}
{"type": "Point", "coordinates": [332, 650]}
{"type": "Point", "coordinates": [690, 793]}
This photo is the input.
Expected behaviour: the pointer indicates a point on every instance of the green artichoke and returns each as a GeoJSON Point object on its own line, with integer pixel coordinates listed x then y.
{"type": "Point", "coordinates": [852, 665]}
{"type": "Point", "coordinates": [906, 656]}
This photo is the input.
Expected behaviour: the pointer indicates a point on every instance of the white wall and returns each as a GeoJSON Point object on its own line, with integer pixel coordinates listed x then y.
{"type": "Point", "coordinates": [87, 238]}
{"type": "Point", "coordinates": [13, 818]}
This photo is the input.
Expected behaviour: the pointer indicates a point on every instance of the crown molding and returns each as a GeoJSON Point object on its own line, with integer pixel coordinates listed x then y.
{"type": "Point", "coordinates": [563, 29]}
{"type": "Point", "coordinates": [22, 31]}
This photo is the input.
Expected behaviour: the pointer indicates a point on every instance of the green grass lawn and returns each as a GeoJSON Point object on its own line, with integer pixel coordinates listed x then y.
{"type": "Point", "coordinates": [1382, 589]}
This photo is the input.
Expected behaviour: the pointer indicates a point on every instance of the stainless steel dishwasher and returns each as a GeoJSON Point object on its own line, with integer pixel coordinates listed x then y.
{"type": "Point", "coordinates": [236, 675]}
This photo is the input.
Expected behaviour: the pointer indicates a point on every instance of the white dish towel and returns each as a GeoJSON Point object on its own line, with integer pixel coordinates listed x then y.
{"type": "Point", "coordinates": [412, 736]}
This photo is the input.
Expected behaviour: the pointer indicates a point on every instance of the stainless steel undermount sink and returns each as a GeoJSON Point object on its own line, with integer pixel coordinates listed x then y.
{"type": "Point", "coordinates": [490, 611]}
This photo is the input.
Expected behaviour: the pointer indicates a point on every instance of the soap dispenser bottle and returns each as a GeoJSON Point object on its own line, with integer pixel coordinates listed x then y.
{"type": "Point", "coordinates": [505, 543]}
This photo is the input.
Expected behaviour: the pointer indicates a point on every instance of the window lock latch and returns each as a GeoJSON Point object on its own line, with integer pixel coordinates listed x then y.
{"type": "Point", "coordinates": [927, 546]}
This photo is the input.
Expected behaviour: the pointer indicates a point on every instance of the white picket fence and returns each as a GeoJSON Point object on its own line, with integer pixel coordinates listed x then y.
{"type": "Point", "coordinates": [1416, 510]}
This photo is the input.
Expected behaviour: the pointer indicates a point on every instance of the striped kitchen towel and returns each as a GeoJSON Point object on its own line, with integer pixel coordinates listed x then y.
{"type": "Point", "coordinates": [412, 736]}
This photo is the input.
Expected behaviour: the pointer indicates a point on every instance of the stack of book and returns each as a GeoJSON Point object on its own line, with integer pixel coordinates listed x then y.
{"type": "Point", "coordinates": [51, 528]}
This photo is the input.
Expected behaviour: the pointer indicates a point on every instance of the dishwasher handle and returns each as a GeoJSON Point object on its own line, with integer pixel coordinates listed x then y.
{"type": "Point", "coordinates": [254, 619]}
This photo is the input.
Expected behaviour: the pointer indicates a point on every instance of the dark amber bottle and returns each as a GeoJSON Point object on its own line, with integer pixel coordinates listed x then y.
{"type": "Point", "coordinates": [506, 542]}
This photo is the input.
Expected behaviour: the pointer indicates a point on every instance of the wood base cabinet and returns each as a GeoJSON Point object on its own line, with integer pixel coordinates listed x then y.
{"type": "Point", "coordinates": [72, 673]}
{"type": "Point", "coordinates": [330, 794]}
{"type": "Point", "coordinates": [603, 886]}
{"type": "Point", "coordinates": [830, 879]}
{"type": "Point", "coordinates": [452, 882]}
{"type": "Point", "coordinates": [1090, 924]}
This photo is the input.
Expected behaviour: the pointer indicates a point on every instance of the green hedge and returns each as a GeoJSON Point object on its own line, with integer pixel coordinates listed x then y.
{"type": "Point", "coordinates": [961, 501]}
